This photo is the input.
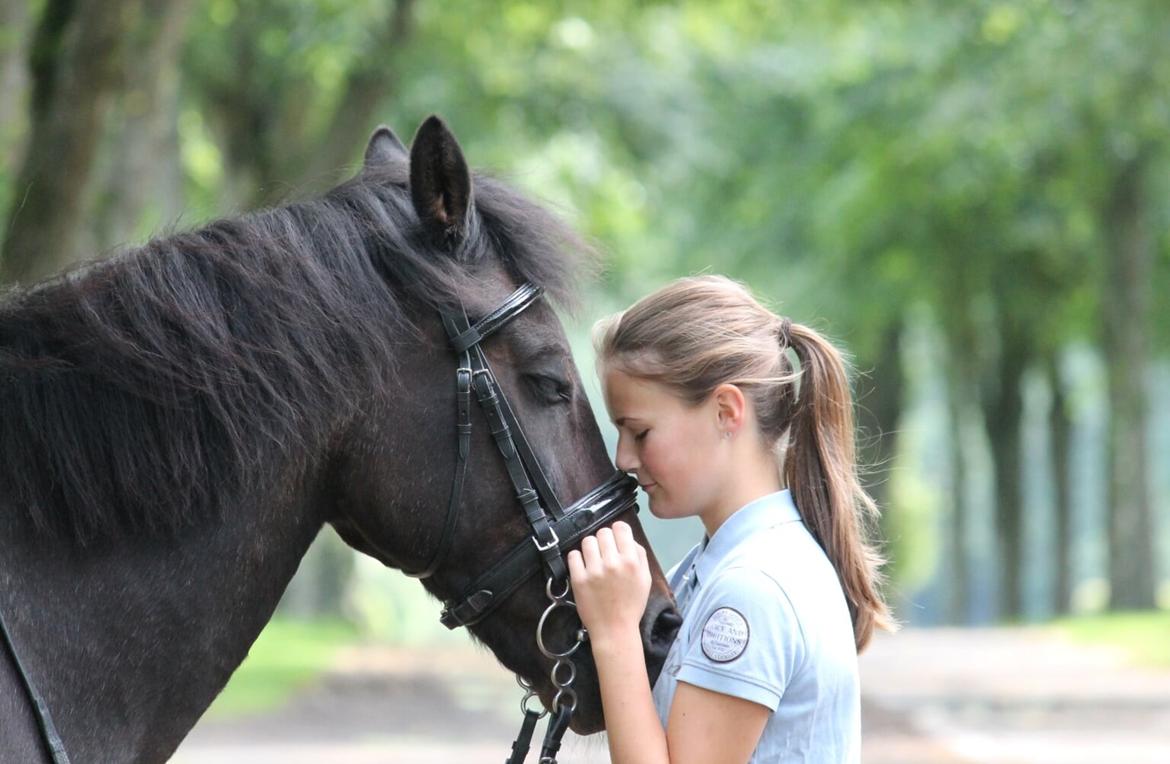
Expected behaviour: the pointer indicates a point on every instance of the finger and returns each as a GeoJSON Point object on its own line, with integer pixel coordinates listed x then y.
{"type": "Point", "coordinates": [623, 536]}
{"type": "Point", "coordinates": [607, 545]}
{"type": "Point", "coordinates": [576, 566]}
{"type": "Point", "coordinates": [627, 546]}
{"type": "Point", "coordinates": [590, 553]}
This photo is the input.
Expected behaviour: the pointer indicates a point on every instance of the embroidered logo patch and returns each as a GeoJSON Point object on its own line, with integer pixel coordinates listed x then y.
{"type": "Point", "coordinates": [725, 635]}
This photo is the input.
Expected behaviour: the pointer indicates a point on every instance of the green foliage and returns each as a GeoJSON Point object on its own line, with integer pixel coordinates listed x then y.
{"type": "Point", "coordinates": [845, 157]}
{"type": "Point", "coordinates": [853, 161]}
{"type": "Point", "coordinates": [285, 657]}
{"type": "Point", "coordinates": [850, 160]}
{"type": "Point", "coordinates": [1144, 636]}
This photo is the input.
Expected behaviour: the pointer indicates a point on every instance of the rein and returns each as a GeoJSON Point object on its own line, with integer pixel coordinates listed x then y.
{"type": "Point", "coordinates": [49, 735]}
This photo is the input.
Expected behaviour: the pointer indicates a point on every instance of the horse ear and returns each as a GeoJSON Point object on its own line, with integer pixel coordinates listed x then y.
{"type": "Point", "coordinates": [383, 147]}
{"type": "Point", "coordinates": [440, 183]}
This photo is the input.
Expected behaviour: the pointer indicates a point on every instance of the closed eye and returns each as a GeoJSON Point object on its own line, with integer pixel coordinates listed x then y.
{"type": "Point", "coordinates": [642, 435]}
{"type": "Point", "coordinates": [550, 389]}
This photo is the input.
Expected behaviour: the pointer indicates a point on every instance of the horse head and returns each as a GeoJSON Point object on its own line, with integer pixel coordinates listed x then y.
{"type": "Point", "coordinates": [457, 244]}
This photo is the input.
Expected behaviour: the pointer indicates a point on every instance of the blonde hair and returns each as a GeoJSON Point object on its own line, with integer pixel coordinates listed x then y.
{"type": "Point", "coordinates": [697, 333]}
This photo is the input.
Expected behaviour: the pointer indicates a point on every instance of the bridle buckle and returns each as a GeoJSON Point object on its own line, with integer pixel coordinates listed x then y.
{"type": "Point", "coordinates": [545, 547]}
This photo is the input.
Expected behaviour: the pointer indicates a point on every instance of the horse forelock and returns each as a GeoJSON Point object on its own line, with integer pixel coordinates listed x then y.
{"type": "Point", "coordinates": [152, 391]}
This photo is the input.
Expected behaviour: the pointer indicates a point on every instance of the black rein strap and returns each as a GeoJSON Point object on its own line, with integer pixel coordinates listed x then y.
{"type": "Point", "coordinates": [523, 742]}
{"type": "Point", "coordinates": [48, 730]}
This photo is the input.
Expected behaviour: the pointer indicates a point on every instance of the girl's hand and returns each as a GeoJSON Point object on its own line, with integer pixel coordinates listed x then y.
{"type": "Point", "coordinates": [611, 581]}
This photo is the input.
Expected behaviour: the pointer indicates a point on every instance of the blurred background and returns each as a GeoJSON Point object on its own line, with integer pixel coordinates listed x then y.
{"type": "Point", "coordinates": [970, 198]}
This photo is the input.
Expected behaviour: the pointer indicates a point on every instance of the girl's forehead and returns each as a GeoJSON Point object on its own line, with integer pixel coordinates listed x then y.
{"type": "Point", "coordinates": [627, 396]}
{"type": "Point", "coordinates": [622, 386]}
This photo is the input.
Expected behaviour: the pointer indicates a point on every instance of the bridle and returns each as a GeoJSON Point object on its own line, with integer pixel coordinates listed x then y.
{"type": "Point", "coordinates": [554, 530]}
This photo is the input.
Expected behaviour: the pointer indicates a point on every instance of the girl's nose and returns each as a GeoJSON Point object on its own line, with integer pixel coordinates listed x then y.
{"type": "Point", "coordinates": [627, 459]}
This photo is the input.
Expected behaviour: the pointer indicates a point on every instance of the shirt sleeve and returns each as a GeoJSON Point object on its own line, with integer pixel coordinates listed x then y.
{"type": "Point", "coordinates": [747, 640]}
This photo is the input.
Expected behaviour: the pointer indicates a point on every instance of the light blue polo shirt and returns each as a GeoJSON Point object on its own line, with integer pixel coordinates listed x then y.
{"type": "Point", "coordinates": [764, 619]}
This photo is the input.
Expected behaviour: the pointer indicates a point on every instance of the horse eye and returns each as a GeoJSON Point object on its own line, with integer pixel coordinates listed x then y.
{"type": "Point", "coordinates": [550, 389]}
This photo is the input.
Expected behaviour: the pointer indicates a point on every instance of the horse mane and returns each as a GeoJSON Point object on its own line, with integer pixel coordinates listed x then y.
{"type": "Point", "coordinates": [151, 391]}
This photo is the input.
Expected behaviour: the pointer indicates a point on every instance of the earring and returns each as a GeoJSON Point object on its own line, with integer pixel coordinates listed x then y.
{"type": "Point", "coordinates": [727, 435]}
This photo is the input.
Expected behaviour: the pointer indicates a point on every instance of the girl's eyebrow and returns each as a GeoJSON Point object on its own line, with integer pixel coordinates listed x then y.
{"type": "Point", "coordinates": [621, 421]}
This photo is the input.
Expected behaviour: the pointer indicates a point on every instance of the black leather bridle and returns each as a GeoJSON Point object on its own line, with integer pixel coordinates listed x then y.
{"type": "Point", "coordinates": [555, 528]}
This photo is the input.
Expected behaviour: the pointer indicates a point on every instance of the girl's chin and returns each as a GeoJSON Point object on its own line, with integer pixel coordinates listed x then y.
{"type": "Point", "coordinates": [665, 510]}
{"type": "Point", "coordinates": [659, 508]}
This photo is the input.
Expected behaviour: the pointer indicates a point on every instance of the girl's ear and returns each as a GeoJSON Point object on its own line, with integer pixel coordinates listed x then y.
{"type": "Point", "coordinates": [730, 408]}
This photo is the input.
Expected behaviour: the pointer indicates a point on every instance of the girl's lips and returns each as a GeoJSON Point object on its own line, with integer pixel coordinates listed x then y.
{"type": "Point", "coordinates": [647, 486]}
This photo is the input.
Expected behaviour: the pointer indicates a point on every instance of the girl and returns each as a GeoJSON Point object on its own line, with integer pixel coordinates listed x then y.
{"type": "Point", "coordinates": [715, 421]}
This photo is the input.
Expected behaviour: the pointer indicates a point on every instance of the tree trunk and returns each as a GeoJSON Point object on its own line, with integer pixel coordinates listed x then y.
{"type": "Point", "coordinates": [367, 86]}
{"type": "Point", "coordinates": [319, 588]}
{"type": "Point", "coordinates": [14, 27]}
{"type": "Point", "coordinates": [879, 398]}
{"type": "Point", "coordinates": [958, 403]}
{"type": "Point", "coordinates": [132, 199]}
{"type": "Point", "coordinates": [76, 63]}
{"type": "Point", "coordinates": [1003, 416]}
{"type": "Point", "coordinates": [1060, 439]}
{"type": "Point", "coordinates": [1126, 305]}
{"type": "Point", "coordinates": [266, 148]}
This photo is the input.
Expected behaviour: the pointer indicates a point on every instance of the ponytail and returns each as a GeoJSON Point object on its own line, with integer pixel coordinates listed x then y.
{"type": "Point", "coordinates": [697, 333]}
{"type": "Point", "coordinates": [821, 471]}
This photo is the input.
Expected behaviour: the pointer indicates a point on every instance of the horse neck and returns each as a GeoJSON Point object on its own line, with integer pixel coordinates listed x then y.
{"type": "Point", "coordinates": [129, 644]}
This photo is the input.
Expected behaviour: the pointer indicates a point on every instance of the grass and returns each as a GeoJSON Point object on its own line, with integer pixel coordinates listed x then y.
{"type": "Point", "coordinates": [287, 656]}
{"type": "Point", "coordinates": [1145, 636]}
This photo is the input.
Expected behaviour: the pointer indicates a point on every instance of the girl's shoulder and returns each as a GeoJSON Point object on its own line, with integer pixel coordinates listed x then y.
{"type": "Point", "coordinates": [787, 554]}
{"type": "Point", "coordinates": [786, 566]}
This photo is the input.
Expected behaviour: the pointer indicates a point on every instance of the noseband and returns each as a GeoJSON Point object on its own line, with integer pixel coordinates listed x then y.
{"type": "Point", "coordinates": [555, 529]}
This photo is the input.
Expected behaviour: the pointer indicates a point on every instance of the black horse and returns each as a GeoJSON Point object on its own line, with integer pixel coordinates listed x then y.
{"type": "Point", "coordinates": [178, 423]}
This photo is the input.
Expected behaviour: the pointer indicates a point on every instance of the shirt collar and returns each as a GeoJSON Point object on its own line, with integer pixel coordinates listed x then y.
{"type": "Point", "coordinates": [757, 515]}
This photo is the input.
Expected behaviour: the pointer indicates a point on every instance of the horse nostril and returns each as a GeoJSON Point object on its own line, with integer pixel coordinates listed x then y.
{"type": "Point", "coordinates": [665, 627]}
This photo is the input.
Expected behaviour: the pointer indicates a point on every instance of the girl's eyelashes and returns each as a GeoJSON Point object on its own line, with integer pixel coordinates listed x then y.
{"type": "Point", "coordinates": [641, 436]}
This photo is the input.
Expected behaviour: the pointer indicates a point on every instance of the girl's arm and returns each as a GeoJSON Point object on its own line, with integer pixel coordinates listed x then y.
{"type": "Point", "coordinates": [611, 583]}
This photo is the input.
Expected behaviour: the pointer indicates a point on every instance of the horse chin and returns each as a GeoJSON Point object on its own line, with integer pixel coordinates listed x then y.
{"type": "Point", "coordinates": [587, 720]}
{"type": "Point", "coordinates": [589, 716]}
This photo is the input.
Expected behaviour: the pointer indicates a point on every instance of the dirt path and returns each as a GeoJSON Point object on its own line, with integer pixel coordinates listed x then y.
{"type": "Point", "coordinates": [1021, 696]}
{"type": "Point", "coordinates": [929, 697]}
{"type": "Point", "coordinates": [381, 705]}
